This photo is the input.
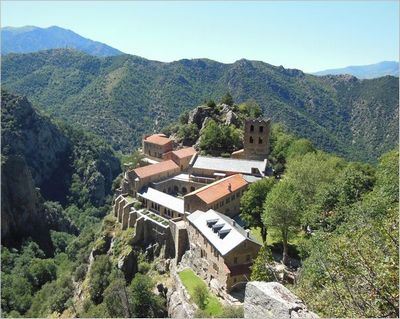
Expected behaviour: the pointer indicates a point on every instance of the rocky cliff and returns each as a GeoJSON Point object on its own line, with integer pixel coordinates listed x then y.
{"type": "Point", "coordinates": [264, 300]}
{"type": "Point", "coordinates": [40, 162]}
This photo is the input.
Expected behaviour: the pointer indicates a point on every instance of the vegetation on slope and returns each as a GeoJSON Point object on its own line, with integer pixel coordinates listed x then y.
{"type": "Point", "coordinates": [350, 254]}
{"type": "Point", "coordinates": [46, 243]}
{"type": "Point", "coordinates": [122, 97]}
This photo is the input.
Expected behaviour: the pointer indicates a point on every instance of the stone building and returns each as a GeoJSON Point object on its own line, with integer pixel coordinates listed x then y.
{"type": "Point", "coordinates": [181, 157]}
{"type": "Point", "coordinates": [223, 195]}
{"type": "Point", "coordinates": [137, 178]}
{"type": "Point", "coordinates": [221, 251]}
{"type": "Point", "coordinates": [157, 145]}
{"type": "Point", "coordinates": [256, 140]}
{"type": "Point", "coordinates": [161, 203]}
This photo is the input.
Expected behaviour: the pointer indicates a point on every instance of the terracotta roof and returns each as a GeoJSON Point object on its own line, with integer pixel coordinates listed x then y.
{"type": "Point", "coordinates": [154, 169]}
{"type": "Point", "coordinates": [159, 139]}
{"type": "Point", "coordinates": [215, 191]}
{"type": "Point", "coordinates": [185, 152]}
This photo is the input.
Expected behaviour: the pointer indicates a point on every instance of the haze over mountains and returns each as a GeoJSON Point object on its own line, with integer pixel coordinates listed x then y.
{"type": "Point", "coordinates": [366, 71]}
{"type": "Point", "coordinates": [31, 39]}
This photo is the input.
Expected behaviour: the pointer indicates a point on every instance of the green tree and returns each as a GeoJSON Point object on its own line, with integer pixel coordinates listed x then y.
{"type": "Point", "coordinates": [144, 302]}
{"type": "Point", "coordinates": [261, 269]}
{"type": "Point", "coordinates": [188, 134]}
{"type": "Point", "coordinates": [283, 211]}
{"type": "Point", "coordinates": [300, 147]}
{"type": "Point", "coordinates": [252, 202]}
{"type": "Point", "coordinates": [216, 138]}
{"type": "Point", "coordinates": [250, 109]}
{"type": "Point", "coordinates": [116, 298]}
{"type": "Point", "coordinates": [353, 272]}
{"type": "Point", "coordinates": [211, 104]}
{"type": "Point", "coordinates": [388, 175]}
{"type": "Point", "coordinates": [41, 271]}
{"type": "Point", "coordinates": [98, 278]}
{"type": "Point", "coordinates": [227, 99]}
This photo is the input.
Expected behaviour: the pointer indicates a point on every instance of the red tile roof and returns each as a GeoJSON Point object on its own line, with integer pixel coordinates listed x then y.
{"type": "Point", "coordinates": [220, 189]}
{"type": "Point", "coordinates": [185, 152]}
{"type": "Point", "coordinates": [159, 139]}
{"type": "Point", "coordinates": [154, 169]}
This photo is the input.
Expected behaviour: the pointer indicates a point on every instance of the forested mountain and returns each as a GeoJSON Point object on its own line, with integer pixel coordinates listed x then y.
{"type": "Point", "coordinates": [31, 39]}
{"type": "Point", "coordinates": [120, 98]}
{"type": "Point", "coordinates": [44, 166]}
{"type": "Point", "coordinates": [366, 71]}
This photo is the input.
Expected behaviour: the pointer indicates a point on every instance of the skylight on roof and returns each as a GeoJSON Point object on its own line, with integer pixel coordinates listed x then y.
{"type": "Point", "coordinates": [223, 232]}
{"type": "Point", "coordinates": [211, 222]}
{"type": "Point", "coordinates": [217, 227]}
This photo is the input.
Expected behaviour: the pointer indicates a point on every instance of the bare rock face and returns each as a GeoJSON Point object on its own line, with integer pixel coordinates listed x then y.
{"type": "Point", "coordinates": [198, 115]}
{"type": "Point", "coordinates": [231, 119]}
{"type": "Point", "coordinates": [272, 300]}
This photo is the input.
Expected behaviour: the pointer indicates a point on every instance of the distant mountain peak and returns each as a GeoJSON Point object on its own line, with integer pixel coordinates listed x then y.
{"type": "Point", "coordinates": [29, 39]}
{"type": "Point", "coordinates": [369, 71]}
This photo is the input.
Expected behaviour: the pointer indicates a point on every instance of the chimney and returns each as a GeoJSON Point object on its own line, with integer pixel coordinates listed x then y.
{"type": "Point", "coordinates": [247, 233]}
{"type": "Point", "coordinates": [229, 187]}
{"type": "Point", "coordinates": [233, 223]}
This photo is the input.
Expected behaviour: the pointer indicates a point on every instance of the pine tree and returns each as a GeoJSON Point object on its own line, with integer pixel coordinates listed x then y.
{"type": "Point", "coordinates": [261, 269]}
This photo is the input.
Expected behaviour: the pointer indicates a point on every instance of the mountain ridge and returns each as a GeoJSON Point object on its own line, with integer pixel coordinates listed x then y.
{"type": "Point", "coordinates": [16, 40]}
{"type": "Point", "coordinates": [365, 71]}
{"type": "Point", "coordinates": [122, 97]}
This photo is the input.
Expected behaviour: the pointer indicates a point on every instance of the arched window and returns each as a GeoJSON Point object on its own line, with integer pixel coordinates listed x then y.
{"type": "Point", "coordinates": [260, 140]}
{"type": "Point", "coordinates": [251, 128]}
{"type": "Point", "coordinates": [176, 189]}
{"type": "Point", "coordinates": [184, 190]}
{"type": "Point", "coordinates": [192, 189]}
{"type": "Point", "coordinates": [251, 139]}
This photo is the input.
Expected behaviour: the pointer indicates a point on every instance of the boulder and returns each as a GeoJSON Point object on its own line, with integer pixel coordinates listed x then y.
{"type": "Point", "coordinates": [231, 119]}
{"type": "Point", "coordinates": [272, 300]}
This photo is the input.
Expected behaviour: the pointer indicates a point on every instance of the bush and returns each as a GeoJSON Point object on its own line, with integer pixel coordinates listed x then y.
{"type": "Point", "coordinates": [98, 281]}
{"type": "Point", "coordinates": [200, 295]}
{"type": "Point", "coordinates": [232, 312]}
{"type": "Point", "coordinates": [80, 272]}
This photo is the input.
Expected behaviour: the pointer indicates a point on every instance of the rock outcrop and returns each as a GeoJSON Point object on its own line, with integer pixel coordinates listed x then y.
{"type": "Point", "coordinates": [39, 163]}
{"type": "Point", "coordinates": [265, 300]}
{"type": "Point", "coordinates": [42, 145]}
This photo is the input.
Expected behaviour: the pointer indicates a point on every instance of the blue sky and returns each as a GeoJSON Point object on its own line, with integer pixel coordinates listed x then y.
{"type": "Point", "coordinates": [308, 35]}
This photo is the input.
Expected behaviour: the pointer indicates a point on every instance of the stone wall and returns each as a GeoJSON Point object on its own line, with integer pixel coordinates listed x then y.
{"type": "Point", "coordinates": [264, 300]}
{"type": "Point", "coordinates": [178, 299]}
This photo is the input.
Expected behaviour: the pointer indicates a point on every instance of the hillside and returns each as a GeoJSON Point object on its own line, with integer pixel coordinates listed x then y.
{"type": "Point", "coordinates": [44, 163]}
{"type": "Point", "coordinates": [120, 98]}
{"type": "Point", "coordinates": [31, 39]}
{"type": "Point", "coordinates": [366, 71]}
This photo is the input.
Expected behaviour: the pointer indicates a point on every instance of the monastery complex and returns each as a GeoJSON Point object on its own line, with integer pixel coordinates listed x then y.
{"type": "Point", "coordinates": [190, 204]}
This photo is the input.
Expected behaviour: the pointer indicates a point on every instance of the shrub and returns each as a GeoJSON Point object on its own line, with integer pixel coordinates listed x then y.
{"type": "Point", "coordinates": [200, 295]}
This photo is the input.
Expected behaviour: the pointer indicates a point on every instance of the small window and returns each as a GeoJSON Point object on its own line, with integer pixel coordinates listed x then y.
{"type": "Point", "coordinates": [251, 128]}
{"type": "Point", "coordinates": [227, 200]}
{"type": "Point", "coordinates": [251, 139]}
{"type": "Point", "coordinates": [192, 189]}
{"type": "Point", "coordinates": [261, 129]}
{"type": "Point", "coordinates": [260, 140]}
{"type": "Point", "coordinates": [235, 260]}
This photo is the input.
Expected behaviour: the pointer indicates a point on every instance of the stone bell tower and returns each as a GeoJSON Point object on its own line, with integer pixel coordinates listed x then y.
{"type": "Point", "coordinates": [256, 140]}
